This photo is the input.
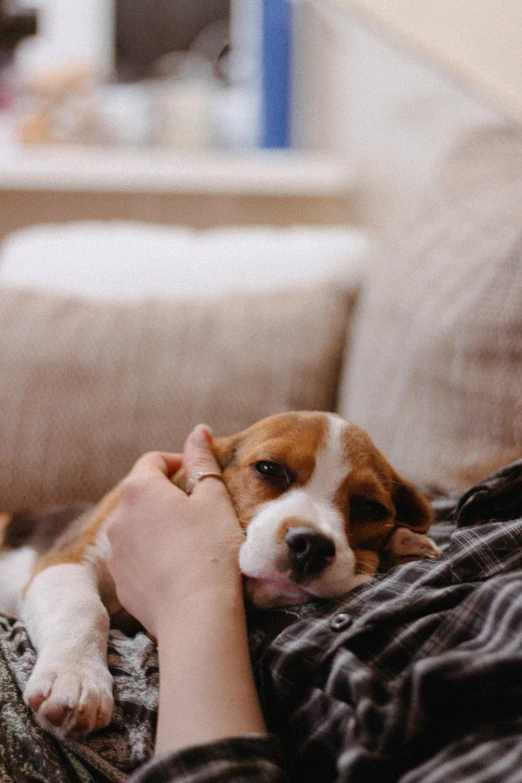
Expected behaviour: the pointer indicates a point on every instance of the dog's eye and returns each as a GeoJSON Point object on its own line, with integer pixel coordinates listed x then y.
{"type": "Point", "coordinates": [367, 510]}
{"type": "Point", "coordinates": [277, 475]}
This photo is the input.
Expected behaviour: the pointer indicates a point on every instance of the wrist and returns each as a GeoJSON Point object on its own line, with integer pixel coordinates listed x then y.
{"type": "Point", "coordinates": [207, 600]}
{"type": "Point", "coordinates": [207, 689]}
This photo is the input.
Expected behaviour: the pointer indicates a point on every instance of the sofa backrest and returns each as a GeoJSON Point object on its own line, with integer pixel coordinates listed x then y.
{"type": "Point", "coordinates": [434, 370]}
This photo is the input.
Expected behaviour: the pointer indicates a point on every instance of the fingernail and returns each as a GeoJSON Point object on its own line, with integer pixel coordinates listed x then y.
{"type": "Point", "coordinates": [202, 436]}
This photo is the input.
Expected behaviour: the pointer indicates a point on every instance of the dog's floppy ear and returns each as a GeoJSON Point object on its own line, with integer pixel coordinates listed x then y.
{"type": "Point", "coordinates": [413, 516]}
{"type": "Point", "coordinates": [225, 450]}
{"type": "Point", "coordinates": [412, 510]}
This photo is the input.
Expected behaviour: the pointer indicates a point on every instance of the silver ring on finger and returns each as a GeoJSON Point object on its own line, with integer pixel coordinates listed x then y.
{"type": "Point", "coordinates": [200, 475]}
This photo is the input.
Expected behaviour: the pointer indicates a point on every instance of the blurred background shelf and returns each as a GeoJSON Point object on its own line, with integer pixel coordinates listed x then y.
{"type": "Point", "coordinates": [260, 172]}
{"type": "Point", "coordinates": [199, 190]}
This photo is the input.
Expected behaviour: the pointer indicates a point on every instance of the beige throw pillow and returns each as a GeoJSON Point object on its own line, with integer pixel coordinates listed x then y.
{"type": "Point", "coordinates": [436, 367]}
{"type": "Point", "coordinates": [85, 388]}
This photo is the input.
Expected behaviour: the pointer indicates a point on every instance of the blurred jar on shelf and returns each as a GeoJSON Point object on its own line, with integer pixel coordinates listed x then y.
{"type": "Point", "coordinates": [183, 101]}
{"type": "Point", "coordinates": [58, 70]}
{"type": "Point", "coordinates": [59, 107]}
{"type": "Point", "coordinates": [127, 113]}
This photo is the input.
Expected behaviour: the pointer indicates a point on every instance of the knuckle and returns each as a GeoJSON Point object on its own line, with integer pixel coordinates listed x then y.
{"type": "Point", "coordinates": [110, 523]}
{"type": "Point", "coordinates": [113, 523]}
{"type": "Point", "coordinates": [131, 488]}
{"type": "Point", "coordinates": [149, 458]}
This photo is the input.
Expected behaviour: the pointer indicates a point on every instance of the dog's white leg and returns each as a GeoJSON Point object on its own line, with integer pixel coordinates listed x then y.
{"type": "Point", "coordinates": [70, 688]}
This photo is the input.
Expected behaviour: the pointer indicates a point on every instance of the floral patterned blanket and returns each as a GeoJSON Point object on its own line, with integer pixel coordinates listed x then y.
{"type": "Point", "coordinates": [28, 753]}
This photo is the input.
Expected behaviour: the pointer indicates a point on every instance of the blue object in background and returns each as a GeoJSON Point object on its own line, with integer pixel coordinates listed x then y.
{"type": "Point", "coordinates": [276, 69]}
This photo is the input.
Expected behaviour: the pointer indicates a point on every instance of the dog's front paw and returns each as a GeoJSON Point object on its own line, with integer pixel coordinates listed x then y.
{"type": "Point", "coordinates": [405, 545]}
{"type": "Point", "coordinates": [70, 699]}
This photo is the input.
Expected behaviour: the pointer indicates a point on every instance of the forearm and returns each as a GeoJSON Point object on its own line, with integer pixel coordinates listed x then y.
{"type": "Point", "coordinates": [207, 689]}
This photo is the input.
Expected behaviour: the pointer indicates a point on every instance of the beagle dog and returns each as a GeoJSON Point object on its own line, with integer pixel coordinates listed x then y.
{"type": "Point", "coordinates": [321, 508]}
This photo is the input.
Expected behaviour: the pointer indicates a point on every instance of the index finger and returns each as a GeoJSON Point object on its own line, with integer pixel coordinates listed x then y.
{"type": "Point", "coordinates": [153, 461]}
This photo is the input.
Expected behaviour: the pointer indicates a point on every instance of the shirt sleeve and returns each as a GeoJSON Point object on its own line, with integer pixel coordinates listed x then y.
{"type": "Point", "coordinates": [256, 758]}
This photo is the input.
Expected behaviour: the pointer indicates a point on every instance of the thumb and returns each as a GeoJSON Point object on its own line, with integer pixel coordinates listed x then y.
{"type": "Point", "coordinates": [197, 453]}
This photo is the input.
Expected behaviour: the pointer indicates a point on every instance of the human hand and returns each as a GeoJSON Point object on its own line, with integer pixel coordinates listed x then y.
{"type": "Point", "coordinates": [168, 549]}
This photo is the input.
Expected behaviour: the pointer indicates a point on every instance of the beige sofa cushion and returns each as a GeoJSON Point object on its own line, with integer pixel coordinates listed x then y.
{"type": "Point", "coordinates": [436, 370]}
{"type": "Point", "coordinates": [87, 387]}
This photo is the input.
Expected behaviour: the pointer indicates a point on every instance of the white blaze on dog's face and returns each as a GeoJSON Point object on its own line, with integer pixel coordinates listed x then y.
{"type": "Point", "coordinates": [319, 504]}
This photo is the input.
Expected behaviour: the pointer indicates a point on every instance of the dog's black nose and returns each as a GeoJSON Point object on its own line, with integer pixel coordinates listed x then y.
{"type": "Point", "coordinates": [309, 551]}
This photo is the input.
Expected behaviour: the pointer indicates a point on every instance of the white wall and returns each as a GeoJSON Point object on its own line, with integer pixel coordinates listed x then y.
{"type": "Point", "coordinates": [392, 113]}
{"type": "Point", "coordinates": [478, 40]}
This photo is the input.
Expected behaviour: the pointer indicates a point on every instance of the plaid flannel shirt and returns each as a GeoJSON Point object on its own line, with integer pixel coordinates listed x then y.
{"type": "Point", "coordinates": [414, 677]}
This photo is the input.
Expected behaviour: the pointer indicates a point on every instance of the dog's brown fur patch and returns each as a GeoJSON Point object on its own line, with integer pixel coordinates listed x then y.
{"type": "Point", "coordinates": [41, 530]}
